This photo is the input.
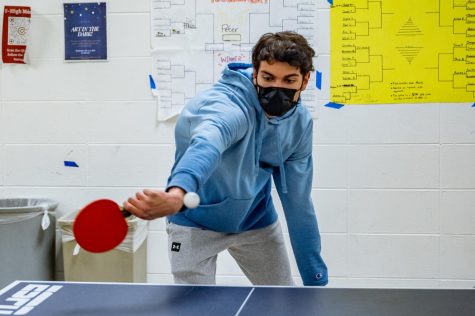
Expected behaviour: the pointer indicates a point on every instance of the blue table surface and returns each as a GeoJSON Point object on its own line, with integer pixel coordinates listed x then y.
{"type": "Point", "coordinates": [93, 299]}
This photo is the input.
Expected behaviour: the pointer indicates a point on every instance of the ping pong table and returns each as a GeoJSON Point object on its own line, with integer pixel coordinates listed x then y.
{"type": "Point", "coordinates": [93, 299]}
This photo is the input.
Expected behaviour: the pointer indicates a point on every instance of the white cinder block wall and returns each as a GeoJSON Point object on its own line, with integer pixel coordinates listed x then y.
{"type": "Point", "coordinates": [394, 185]}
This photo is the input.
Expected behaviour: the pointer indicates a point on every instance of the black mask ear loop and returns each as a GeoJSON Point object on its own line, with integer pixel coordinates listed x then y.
{"type": "Point", "coordinates": [299, 89]}
{"type": "Point", "coordinates": [256, 85]}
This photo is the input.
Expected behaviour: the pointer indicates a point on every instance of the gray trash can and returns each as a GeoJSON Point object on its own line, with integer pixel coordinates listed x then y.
{"type": "Point", "coordinates": [27, 239]}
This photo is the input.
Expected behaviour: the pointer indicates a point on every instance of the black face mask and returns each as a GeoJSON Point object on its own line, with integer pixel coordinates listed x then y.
{"type": "Point", "coordinates": [276, 101]}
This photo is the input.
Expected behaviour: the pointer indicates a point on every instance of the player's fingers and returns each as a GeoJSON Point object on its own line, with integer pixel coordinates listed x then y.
{"type": "Point", "coordinates": [155, 198]}
{"type": "Point", "coordinates": [153, 194]}
{"type": "Point", "coordinates": [140, 196]}
{"type": "Point", "coordinates": [137, 208]}
{"type": "Point", "coordinates": [130, 208]}
{"type": "Point", "coordinates": [147, 192]}
{"type": "Point", "coordinates": [144, 204]}
{"type": "Point", "coordinates": [138, 204]}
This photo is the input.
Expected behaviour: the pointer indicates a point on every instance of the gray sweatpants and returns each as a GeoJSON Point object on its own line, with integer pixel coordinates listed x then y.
{"type": "Point", "coordinates": [260, 253]}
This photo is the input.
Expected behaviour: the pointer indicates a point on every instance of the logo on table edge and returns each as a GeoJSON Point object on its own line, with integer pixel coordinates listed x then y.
{"type": "Point", "coordinates": [27, 298]}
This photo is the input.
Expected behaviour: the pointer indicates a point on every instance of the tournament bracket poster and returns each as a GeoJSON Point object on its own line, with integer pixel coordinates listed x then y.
{"type": "Point", "coordinates": [85, 31]}
{"type": "Point", "coordinates": [16, 24]}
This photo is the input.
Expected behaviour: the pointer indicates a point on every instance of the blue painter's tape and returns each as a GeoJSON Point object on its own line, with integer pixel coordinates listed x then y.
{"type": "Point", "coordinates": [330, 2]}
{"type": "Point", "coordinates": [152, 83]}
{"type": "Point", "coordinates": [319, 80]}
{"type": "Point", "coordinates": [70, 164]}
{"type": "Point", "coordinates": [334, 105]}
{"type": "Point", "coordinates": [473, 105]}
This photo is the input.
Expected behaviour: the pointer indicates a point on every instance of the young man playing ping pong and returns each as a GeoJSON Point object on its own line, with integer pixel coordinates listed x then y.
{"type": "Point", "coordinates": [231, 140]}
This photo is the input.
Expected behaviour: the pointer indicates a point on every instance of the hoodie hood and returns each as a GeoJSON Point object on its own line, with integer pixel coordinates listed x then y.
{"type": "Point", "coordinates": [239, 76]}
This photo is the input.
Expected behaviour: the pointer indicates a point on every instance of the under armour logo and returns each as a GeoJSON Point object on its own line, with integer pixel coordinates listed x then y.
{"type": "Point", "coordinates": [176, 246]}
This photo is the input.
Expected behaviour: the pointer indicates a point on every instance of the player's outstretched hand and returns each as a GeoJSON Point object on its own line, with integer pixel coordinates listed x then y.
{"type": "Point", "coordinates": [152, 204]}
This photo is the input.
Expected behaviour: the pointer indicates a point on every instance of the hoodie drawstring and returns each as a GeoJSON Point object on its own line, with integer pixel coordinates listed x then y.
{"type": "Point", "coordinates": [260, 137]}
{"type": "Point", "coordinates": [281, 162]}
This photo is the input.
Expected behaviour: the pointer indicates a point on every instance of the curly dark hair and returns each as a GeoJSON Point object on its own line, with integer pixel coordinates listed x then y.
{"type": "Point", "coordinates": [287, 46]}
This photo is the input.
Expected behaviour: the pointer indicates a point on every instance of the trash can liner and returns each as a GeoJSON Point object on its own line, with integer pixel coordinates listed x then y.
{"type": "Point", "coordinates": [137, 233]}
{"type": "Point", "coordinates": [22, 209]}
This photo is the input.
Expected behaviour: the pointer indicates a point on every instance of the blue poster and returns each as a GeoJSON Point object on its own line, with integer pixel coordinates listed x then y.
{"type": "Point", "coordinates": [85, 31]}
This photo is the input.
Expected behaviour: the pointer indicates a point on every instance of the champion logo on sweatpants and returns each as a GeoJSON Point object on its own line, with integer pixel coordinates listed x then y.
{"type": "Point", "coordinates": [176, 246]}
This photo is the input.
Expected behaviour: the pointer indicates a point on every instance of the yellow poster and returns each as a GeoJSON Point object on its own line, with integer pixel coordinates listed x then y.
{"type": "Point", "coordinates": [402, 51]}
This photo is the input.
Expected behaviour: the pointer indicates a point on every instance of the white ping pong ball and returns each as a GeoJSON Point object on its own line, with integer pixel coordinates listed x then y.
{"type": "Point", "coordinates": [191, 200]}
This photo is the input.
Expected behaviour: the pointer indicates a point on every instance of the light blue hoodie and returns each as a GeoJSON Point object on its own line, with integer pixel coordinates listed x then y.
{"type": "Point", "coordinates": [227, 150]}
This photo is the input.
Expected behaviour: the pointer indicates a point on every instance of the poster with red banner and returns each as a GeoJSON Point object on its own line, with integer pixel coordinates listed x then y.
{"type": "Point", "coordinates": [16, 24]}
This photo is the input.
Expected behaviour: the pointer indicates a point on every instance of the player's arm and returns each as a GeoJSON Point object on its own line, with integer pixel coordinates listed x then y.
{"type": "Point", "coordinates": [215, 128]}
{"type": "Point", "coordinates": [300, 214]}
{"type": "Point", "coordinates": [212, 131]}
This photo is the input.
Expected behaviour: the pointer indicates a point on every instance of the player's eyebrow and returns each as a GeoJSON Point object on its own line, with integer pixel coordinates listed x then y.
{"type": "Point", "coordinates": [267, 73]}
{"type": "Point", "coordinates": [291, 76]}
{"type": "Point", "coordinates": [285, 77]}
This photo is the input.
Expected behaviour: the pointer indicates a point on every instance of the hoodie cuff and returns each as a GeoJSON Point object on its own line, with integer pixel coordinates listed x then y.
{"type": "Point", "coordinates": [183, 180]}
{"type": "Point", "coordinates": [317, 279]}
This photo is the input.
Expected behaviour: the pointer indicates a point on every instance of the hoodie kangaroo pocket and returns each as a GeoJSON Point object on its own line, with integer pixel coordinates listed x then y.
{"type": "Point", "coordinates": [225, 216]}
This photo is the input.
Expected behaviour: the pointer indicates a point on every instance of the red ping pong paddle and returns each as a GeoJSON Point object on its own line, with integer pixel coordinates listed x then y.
{"type": "Point", "coordinates": [100, 226]}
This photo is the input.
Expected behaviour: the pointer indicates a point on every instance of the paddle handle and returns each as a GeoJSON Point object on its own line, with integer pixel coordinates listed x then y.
{"type": "Point", "coordinates": [124, 212]}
